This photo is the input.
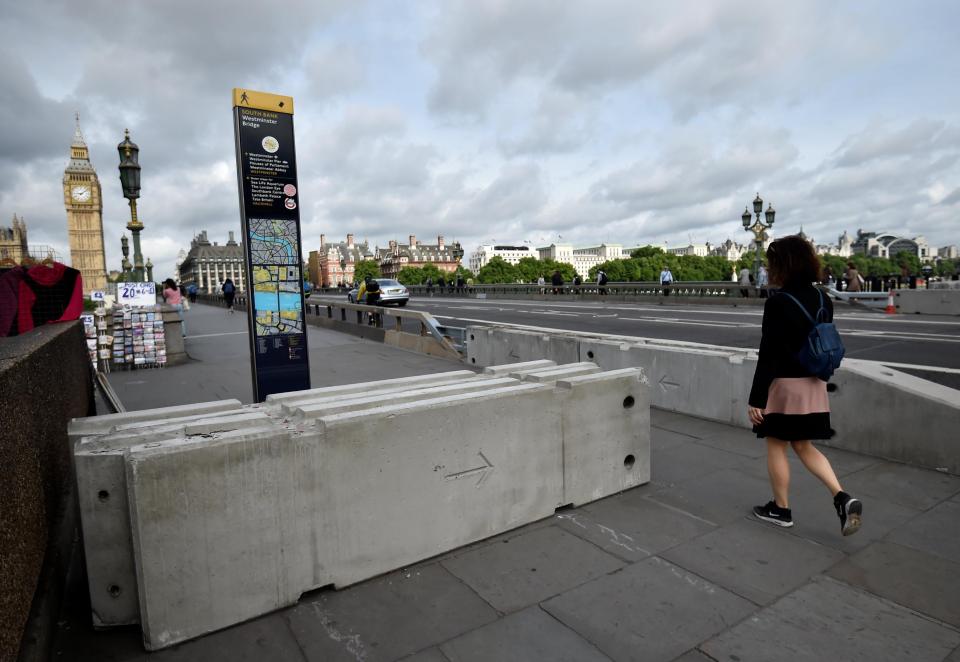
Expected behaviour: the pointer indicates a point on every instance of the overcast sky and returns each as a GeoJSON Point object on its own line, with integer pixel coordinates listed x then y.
{"type": "Point", "coordinates": [512, 120]}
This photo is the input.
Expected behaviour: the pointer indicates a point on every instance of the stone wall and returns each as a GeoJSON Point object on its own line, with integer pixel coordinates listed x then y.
{"type": "Point", "coordinates": [45, 380]}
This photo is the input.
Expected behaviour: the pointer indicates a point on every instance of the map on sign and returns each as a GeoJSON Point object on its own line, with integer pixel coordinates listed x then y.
{"type": "Point", "coordinates": [273, 241]}
{"type": "Point", "coordinates": [277, 280]}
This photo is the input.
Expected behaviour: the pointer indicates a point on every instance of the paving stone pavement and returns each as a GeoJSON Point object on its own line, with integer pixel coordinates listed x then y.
{"type": "Point", "coordinates": [674, 570]}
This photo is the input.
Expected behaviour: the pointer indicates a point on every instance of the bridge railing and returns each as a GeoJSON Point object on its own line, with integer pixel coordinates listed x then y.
{"type": "Point", "coordinates": [384, 317]}
{"type": "Point", "coordinates": [699, 289]}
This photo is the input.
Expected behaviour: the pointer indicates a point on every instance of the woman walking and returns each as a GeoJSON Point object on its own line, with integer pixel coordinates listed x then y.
{"type": "Point", "coordinates": [788, 406]}
{"type": "Point", "coordinates": [171, 294]}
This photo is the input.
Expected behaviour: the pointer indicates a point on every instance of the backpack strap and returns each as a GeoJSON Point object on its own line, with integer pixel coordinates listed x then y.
{"type": "Point", "coordinates": [800, 305]}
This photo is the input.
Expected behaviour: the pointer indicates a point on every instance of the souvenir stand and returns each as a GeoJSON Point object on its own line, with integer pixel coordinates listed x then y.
{"type": "Point", "coordinates": [138, 339]}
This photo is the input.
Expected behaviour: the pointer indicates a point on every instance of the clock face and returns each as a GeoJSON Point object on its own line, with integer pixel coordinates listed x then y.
{"type": "Point", "coordinates": [80, 193]}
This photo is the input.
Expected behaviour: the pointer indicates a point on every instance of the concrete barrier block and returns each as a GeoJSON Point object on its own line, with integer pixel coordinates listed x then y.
{"type": "Point", "coordinates": [606, 434]}
{"type": "Point", "coordinates": [503, 370]}
{"type": "Point", "coordinates": [400, 382]}
{"type": "Point", "coordinates": [293, 405]}
{"type": "Point", "coordinates": [498, 345]}
{"type": "Point", "coordinates": [104, 509]}
{"type": "Point", "coordinates": [707, 382]}
{"type": "Point", "coordinates": [558, 372]}
{"type": "Point", "coordinates": [928, 302]}
{"type": "Point", "coordinates": [481, 463]}
{"type": "Point", "coordinates": [215, 533]}
{"type": "Point", "coordinates": [910, 419]}
{"type": "Point", "coordinates": [345, 404]}
{"type": "Point", "coordinates": [92, 425]}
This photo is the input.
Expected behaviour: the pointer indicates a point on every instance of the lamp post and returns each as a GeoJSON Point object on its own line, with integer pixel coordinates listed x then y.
{"type": "Point", "coordinates": [758, 228]}
{"type": "Point", "coordinates": [130, 180]}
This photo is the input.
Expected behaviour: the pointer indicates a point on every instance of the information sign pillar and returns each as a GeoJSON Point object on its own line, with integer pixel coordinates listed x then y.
{"type": "Point", "coordinates": [270, 213]}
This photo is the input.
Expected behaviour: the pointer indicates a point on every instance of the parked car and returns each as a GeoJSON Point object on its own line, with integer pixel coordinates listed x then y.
{"type": "Point", "coordinates": [391, 292]}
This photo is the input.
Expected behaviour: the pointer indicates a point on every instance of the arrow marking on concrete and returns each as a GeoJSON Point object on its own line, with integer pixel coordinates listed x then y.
{"type": "Point", "coordinates": [664, 383]}
{"type": "Point", "coordinates": [484, 471]}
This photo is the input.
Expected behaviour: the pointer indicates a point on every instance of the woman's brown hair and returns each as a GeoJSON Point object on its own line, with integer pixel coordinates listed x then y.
{"type": "Point", "coordinates": [793, 261]}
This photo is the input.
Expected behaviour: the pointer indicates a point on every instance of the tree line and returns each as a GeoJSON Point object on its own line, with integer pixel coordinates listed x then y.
{"type": "Point", "coordinates": [645, 264]}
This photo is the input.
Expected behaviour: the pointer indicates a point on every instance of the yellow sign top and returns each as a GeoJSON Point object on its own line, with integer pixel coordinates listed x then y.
{"type": "Point", "coordinates": [262, 101]}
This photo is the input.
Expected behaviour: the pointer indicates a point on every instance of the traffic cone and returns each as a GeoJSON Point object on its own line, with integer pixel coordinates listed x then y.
{"type": "Point", "coordinates": [891, 308]}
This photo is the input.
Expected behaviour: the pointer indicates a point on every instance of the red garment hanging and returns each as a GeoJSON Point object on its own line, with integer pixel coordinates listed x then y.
{"type": "Point", "coordinates": [49, 294]}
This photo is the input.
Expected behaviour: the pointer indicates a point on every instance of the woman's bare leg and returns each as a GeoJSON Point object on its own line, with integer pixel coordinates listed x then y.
{"type": "Point", "coordinates": [817, 464]}
{"type": "Point", "coordinates": [778, 467]}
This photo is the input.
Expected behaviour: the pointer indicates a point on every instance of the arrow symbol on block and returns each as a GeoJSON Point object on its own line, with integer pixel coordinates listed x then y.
{"type": "Point", "coordinates": [664, 383]}
{"type": "Point", "coordinates": [483, 471]}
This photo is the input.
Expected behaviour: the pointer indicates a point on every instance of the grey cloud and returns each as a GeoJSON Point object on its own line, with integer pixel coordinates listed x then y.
{"type": "Point", "coordinates": [333, 71]}
{"type": "Point", "coordinates": [699, 55]}
{"type": "Point", "coordinates": [951, 198]}
{"type": "Point", "coordinates": [558, 125]}
{"type": "Point", "coordinates": [27, 117]}
{"type": "Point", "coordinates": [920, 136]}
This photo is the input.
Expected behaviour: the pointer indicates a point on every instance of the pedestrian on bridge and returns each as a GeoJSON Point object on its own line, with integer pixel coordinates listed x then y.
{"type": "Point", "coordinates": [788, 405]}
{"type": "Point", "coordinates": [229, 291]}
{"type": "Point", "coordinates": [557, 281]}
{"type": "Point", "coordinates": [853, 278]}
{"type": "Point", "coordinates": [171, 295]}
{"type": "Point", "coordinates": [666, 279]}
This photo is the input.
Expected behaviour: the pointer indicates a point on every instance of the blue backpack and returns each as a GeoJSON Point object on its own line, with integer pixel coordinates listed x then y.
{"type": "Point", "coordinates": [823, 351]}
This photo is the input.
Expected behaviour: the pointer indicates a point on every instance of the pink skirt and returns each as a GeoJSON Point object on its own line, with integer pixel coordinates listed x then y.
{"type": "Point", "coordinates": [797, 410]}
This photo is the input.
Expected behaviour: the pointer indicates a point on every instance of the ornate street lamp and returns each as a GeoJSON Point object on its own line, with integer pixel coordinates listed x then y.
{"type": "Point", "coordinates": [758, 228]}
{"type": "Point", "coordinates": [130, 181]}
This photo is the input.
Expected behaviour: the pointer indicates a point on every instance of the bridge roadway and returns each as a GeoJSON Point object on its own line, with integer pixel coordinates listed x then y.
{"type": "Point", "coordinates": [914, 341]}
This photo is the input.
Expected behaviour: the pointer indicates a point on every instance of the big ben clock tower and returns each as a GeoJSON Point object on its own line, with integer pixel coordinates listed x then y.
{"type": "Point", "coordinates": [81, 196]}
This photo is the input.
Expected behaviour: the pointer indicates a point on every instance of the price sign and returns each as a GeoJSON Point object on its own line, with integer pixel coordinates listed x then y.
{"type": "Point", "coordinates": [96, 295]}
{"type": "Point", "coordinates": [136, 294]}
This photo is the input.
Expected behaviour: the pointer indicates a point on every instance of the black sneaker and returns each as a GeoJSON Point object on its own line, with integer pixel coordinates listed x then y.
{"type": "Point", "coordinates": [774, 514]}
{"type": "Point", "coordinates": [849, 511]}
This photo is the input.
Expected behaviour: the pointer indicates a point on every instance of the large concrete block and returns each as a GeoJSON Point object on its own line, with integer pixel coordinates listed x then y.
{"type": "Point", "coordinates": [709, 382]}
{"type": "Point", "coordinates": [503, 370]}
{"type": "Point", "coordinates": [887, 413]}
{"type": "Point", "coordinates": [377, 394]}
{"type": "Point", "coordinates": [606, 434]}
{"type": "Point", "coordinates": [928, 302]}
{"type": "Point", "coordinates": [548, 375]}
{"type": "Point", "coordinates": [328, 406]}
{"type": "Point", "coordinates": [214, 529]}
{"type": "Point", "coordinates": [92, 425]}
{"type": "Point", "coordinates": [410, 481]}
{"type": "Point", "coordinates": [402, 382]}
{"type": "Point", "coordinates": [488, 346]}
{"type": "Point", "coordinates": [260, 516]}
{"type": "Point", "coordinates": [104, 509]}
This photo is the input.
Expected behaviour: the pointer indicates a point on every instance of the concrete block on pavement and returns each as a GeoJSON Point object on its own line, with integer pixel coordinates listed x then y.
{"type": "Point", "coordinates": [490, 346]}
{"type": "Point", "coordinates": [215, 533]}
{"type": "Point", "coordinates": [606, 434]}
{"type": "Point", "coordinates": [900, 406]}
{"type": "Point", "coordinates": [327, 406]}
{"type": "Point", "coordinates": [104, 509]}
{"type": "Point", "coordinates": [506, 369]}
{"type": "Point", "coordinates": [92, 425]}
{"type": "Point", "coordinates": [344, 389]}
{"type": "Point", "coordinates": [406, 482]}
{"type": "Point", "coordinates": [559, 372]}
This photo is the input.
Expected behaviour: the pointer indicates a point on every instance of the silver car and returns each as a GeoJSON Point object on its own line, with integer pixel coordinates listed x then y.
{"type": "Point", "coordinates": [391, 292]}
